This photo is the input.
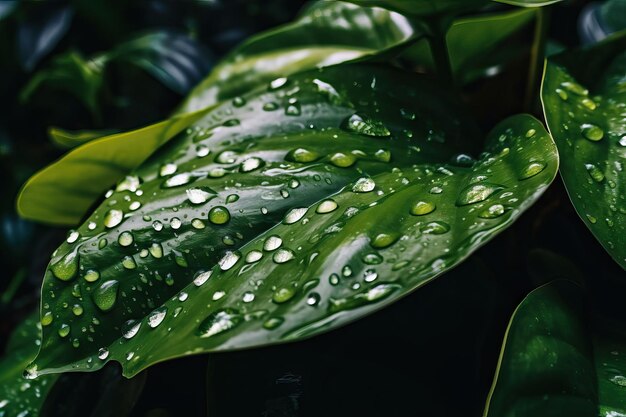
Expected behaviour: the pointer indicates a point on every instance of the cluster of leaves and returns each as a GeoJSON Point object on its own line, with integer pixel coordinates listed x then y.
{"type": "Point", "coordinates": [311, 179]}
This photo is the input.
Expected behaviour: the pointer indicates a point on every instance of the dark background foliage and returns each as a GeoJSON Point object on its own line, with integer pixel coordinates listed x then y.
{"type": "Point", "coordinates": [422, 356]}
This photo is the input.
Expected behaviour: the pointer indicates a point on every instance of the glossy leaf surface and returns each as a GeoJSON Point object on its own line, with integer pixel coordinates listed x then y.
{"type": "Point", "coordinates": [327, 33]}
{"type": "Point", "coordinates": [283, 214]}
{"type": "Point", "coordinates": [62, 192]}
{"type": "Point", "coordinates": [470, 40]}
{"type": "Point", "coordinates": [529, 3]}
{"type": "Point", "coordinates": [585, 106]}
{"type": "Point", "coordinates": [425, 8]}
{"type": "Point", "coordinates": [18, 396]}
{"type": "Point", "coordinates": [551, 365]}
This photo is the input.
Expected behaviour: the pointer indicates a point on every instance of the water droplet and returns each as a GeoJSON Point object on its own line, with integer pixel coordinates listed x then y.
{"type": "Point", "coordinates": [156, 250]}
{"type": "Point", "coordinates": [383, 240]}
{"type": "Point", "coordinates": [532, 169]}
{"type": "Point", "coordinates": [295, 215]}
{"type": "Point", "coordinates": [202, 151]}
{"type": "Point", "coordinates": [130, 183]}
{"type": "Point", "coordinates": [492, 212]}
{"type": "Point", "coordinates": [64, 330]}
{"type": "Point", "coordinates": [283, 255]}
{"type": "Point", "coordinates": [248, 297]}
{"type": "Point", "coordinates": [130, 329]}
{"type": "Point", "coordinates": [476, 193]}
{"type": "Point", "coordinates": [407, 114]}
{"type": "Point", "coordinates": [175, 223]}
{"type": "Point", "coordinates": [157, 316]}
{"type": "Point", "coordinates": [588, 103]}
{"type": "Point", "coordinates": [103, 353]}
{"type": "Point", "coordinates": [134, 205]}
{"type": "Point", "coordinates": [270, 106]}
{"type": "Point", "coordinates": [277, 83]}
{"type": "Point", "coordinates": [272, 243]}
{"type": "Point", "coordinates": [228, 260]}
{"type": "Point", "coordinates": [47, 318]}
{"type": "Point", "coordinates": [178, 180]}
{"type": "Point", "coordinates": [239, 101]}
{"type": "Point", "coordinates": [282, 295]}
{"type": "Point", "coordinates": [167, 169]}
{"type": "Point", "coordinates": [364, 125]}
{"type": "Point", "coordinates": [231, 123]}
{"type": "Point", "coordinates": [592, 132]}
{"type": "Point", "coordinates": [313, 299]}
{"type": "Point", "coordinates": [219, 322]}
{"type": "Point", "coordinates": [113, 218]}
{"type": "Point", "coordinates": [342, 160]}
{"type": "Point", "coordinates": [197, 224]}
{"type": "Point", "coordinates": [273, 322]}
{"type": "Point", "coordinates": [619, 380]}
{"type": "Point", "coordinates": [372, 295]}
{"type": "Point", "coordinates": [219, 215]}
{"type": "Point", "coordinates": [363, 185]}
{"type": "Point", "coordinates": [72, 236]}
{"type": "Point", "coordinates": [575, 88]}
{"type": "Point", "coordinates": [201, 277]}
{"type": "Point", "coordinates": [326, 206]}
{"type": "Point", "coordinates": [125, 239]}
{"type": "Point", "coordinates": [435, 228]}
{"type": "Point", "coordinates": [530, 133]}
{"type": "Point", "coordinates": [592, 219]}
{"type": "Point", "coordinates": [65, 268]}
{"type": "Point", "coordinates": [372, 259]}
{"type": "Point", "coordinates": [200, 195]}
{"type": "Point", "coordinates": [251, 164]}
{"type": "Point", "coordinates": [422, 208]}
{"type": "Point", "coordinates": [128, 262]}
{"type": "Point", "coordinates": [293, 108]}
{"type": "Point", "coordinates": [302, 155]}
{"type": "Point", "coordinates": [594, 172]}
{"type": "Point", "coordinates": [105, 296]}
{"type": "Point", "coordinates": [254, 256]}
{"type": "Point", "coordinates": [370, 275]}
{"type": "Point", "coordinates": [77, 309]}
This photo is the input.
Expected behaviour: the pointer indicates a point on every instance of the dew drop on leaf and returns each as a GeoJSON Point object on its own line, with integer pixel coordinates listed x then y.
{"type": "Point", "coordinates": [422, 208]}
{"type": "Point", "coordinates": [65, 268]}
{"type": "Point", "coordinates": [105, 296]}
{"type": "Point", "coordinates": [219, 322]}
{"type": "Point", "coordinates": [476, 193]}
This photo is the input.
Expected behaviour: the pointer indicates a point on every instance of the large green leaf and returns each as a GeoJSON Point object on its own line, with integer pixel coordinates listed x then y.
{"type": "Point", "coordinates": [425, 8]}
{"type": "Point", "coordinates": [327, 33]}
{"type": "Point", "coordinates": [18, 396]}
{"type": "Point", "coordinates": [551, 366]}
{"type": "Point", "coordinates": [62, 192]}
{"type": "Point", "coordinates": [529, 3]}
{"type": "Point", "coordinates": [585, 107]}
{"type": "Point", "coordinates": [321, 200]}
{"type": "Point", "coordinates": [470, 40]}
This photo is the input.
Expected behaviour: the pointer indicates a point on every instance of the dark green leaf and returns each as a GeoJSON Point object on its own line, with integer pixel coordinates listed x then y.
{"type": "Point", "coordinates": [584, 109]}
{"type": "Point", "coordinates": [613, 14]}
{"type": "Point", "coordinates": [327, 33]}
{"type": "Point", "coordinates": [69, 139]}
{"type": "Point", "coordinates": [425, 8]}
{"type": "Point", "coordinates": [64, 190]}
{"type": "Point", "coordinates": [529, 3]}
{"type": "Point", "coordinates": [347, 165]}
{"type": "Point", "coordinates": [470, 40]}
{"type": "Point", "coordinates": [18, 396]}
{"type": "Point", "coordinates": [551, 366]}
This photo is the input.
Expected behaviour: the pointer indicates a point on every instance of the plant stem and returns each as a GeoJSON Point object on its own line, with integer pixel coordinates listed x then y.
{"type": "Point", "coordinates": [537, 54]}
{"type": "Point", "coordinates": [439, 51]}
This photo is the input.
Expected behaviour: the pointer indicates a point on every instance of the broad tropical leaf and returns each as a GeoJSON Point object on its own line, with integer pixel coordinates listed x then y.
{"type": "Point", "coordinates": [18, 396]}
{"type": "Point", "coordinates": [470, 40]}
{"type": "Point", "coordinates": [551, 366]}
{"type": "Point", "coordinates": [327, 33]}
{"type": "Point", "coordinates": [71, 139]}
{"type": "Point", "coordinates": [62, 192]}
{"type": "Point", "coordinates": [425, 8]}
{"type": "Point", "coordinates": [585, 107]}
{"type": "Point", "coordinates": [282, 214]}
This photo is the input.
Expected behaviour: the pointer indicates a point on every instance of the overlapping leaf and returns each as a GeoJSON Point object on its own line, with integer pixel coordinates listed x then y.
{"type": "Point", "coordinates": [19, 397]}
{"type": "Point", "coordinates": [283, 214]}
{"type": "Point", "coordinates": [585, 108]}
{"type": "Point", "coordinates": [62, 192]}
{"type": "Point", "coordinates": [327, 33]}
{"type": "Point", "coordinates": [551, 366]}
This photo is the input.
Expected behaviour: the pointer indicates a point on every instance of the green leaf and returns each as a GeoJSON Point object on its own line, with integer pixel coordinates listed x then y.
{"type": "Point", "coordinates": [551, 366]}
{"type": "Point", "coordinates": [529, 3]}
{"type": "Point", "coordinates": [425, 8]}
{"type": "Point", "coordinates": [321, 200]}
{"type": "Point", "coordinates": [327, 33]}
{"type": "Point", "coordinates": [71, 139]}
{"type": "Point", "coordinates": [62, 192]}
{"type": "Point", "coordinates": [18, 396]}
{"type": "Point", "coordinates": [584, 109]}
{"type": "Point", "coordinates": [471, 40]}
